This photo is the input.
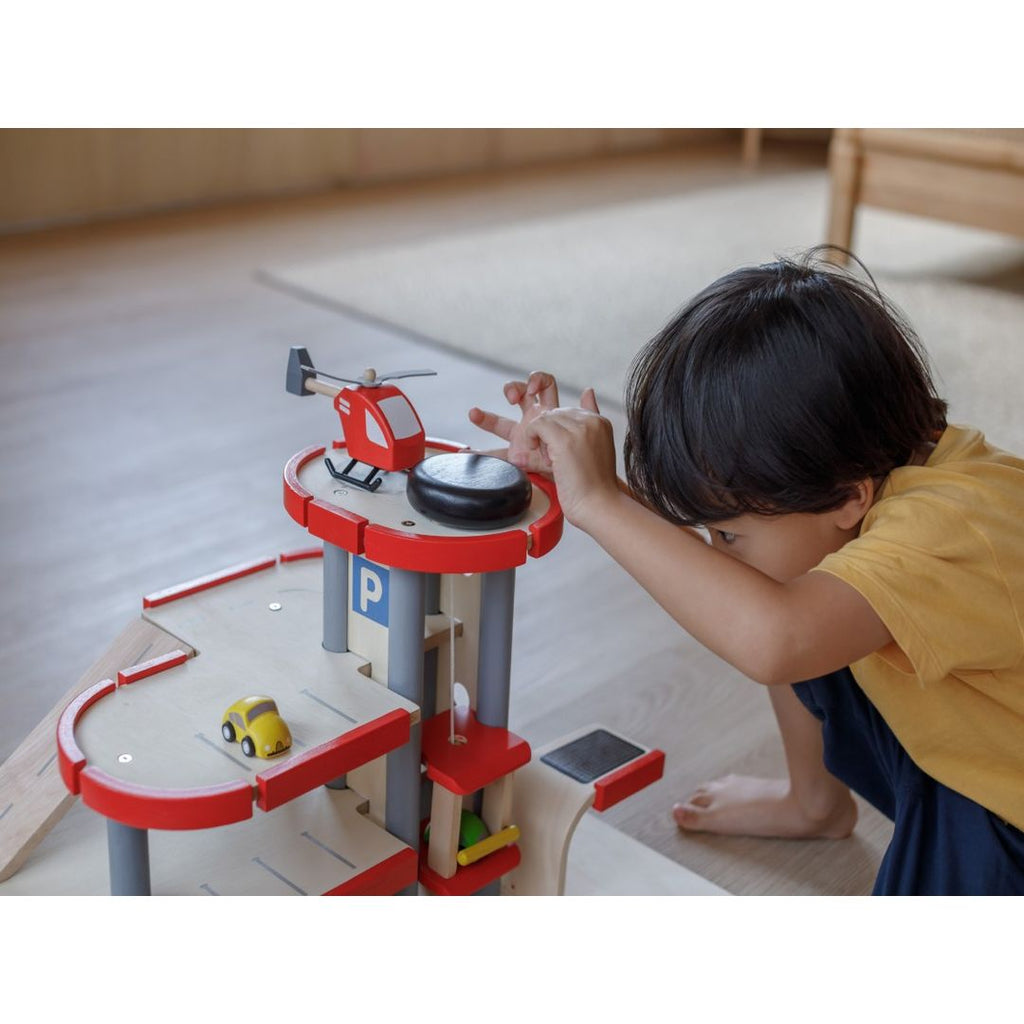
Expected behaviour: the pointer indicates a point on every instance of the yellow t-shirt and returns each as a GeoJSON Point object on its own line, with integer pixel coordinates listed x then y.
{"type": "Point", "coordinates": [940, 558]}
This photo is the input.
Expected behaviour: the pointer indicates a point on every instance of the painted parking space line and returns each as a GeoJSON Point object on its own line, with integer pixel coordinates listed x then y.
{"type": "Point", "coordinates": [220, 750]}
{"type": "Point", "coordinates": [330, 707]}
{"type": "Point", "coordinates": [277, 874]}
{"type": "Point", "coordinates": [327, 849]}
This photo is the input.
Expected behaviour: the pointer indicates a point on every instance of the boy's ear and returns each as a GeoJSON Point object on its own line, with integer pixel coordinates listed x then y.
{"type": "Point", "coordinates": [856, 507]}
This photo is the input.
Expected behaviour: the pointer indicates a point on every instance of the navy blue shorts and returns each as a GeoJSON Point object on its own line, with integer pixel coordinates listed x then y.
{"type": "Point", "coordinates": [943, 844]}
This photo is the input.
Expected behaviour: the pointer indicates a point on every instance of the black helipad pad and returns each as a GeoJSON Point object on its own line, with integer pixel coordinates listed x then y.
{"type": "Point", "coordinates": [469, 491]}
{"type": "Point", "coordinates": [592, 756]}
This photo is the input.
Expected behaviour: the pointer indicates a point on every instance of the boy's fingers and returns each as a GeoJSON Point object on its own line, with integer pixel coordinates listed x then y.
{"type": "Point", "coordinates": [588, 400]}
{"type": "Point", "coordinates": [532, 460]}
{"type": "Point", "coordinates": [542, 429]}
{"type": "Point", "coordinates": [544, 387]}
{"type": "Point", "coordinates": [515, 392]}
{"type": "Point", "coordinates": [492, 423]}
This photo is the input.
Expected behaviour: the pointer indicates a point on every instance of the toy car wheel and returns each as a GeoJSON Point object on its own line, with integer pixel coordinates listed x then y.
{"type": "Point", "coordinates": [227, 730]}
{"type": "Point", "coordinates": [248, 747]}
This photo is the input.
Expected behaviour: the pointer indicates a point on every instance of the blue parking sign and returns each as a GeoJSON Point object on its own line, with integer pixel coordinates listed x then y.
{"type": "Point", "coordinates": [370, 590]}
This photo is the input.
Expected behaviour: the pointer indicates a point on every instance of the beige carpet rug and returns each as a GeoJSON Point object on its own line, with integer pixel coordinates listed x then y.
{"type": "Point", "coordinates": [578, 294]}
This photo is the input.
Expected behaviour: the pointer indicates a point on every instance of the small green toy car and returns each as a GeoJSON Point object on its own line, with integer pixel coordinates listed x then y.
{"type": "Point", "coordinates": [471, 830]}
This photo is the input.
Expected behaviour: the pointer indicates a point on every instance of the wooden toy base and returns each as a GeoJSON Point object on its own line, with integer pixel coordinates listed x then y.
{"type": "Point", "coordinates": [132, 742]}
{"type": "Point", "coordinates": [73, 862]}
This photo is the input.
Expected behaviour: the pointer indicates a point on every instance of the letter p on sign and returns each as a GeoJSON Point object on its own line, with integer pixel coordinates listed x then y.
{"type": "Point", "coordinates": [370, 590]}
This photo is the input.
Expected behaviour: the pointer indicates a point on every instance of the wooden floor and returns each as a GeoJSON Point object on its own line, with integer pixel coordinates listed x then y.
{"type": "Point", "coordinates": [144, 425]}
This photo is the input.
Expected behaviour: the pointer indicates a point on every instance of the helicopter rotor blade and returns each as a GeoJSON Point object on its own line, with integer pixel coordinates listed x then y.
{"type": "Point", "coordinates": [407, 373]}
{"type": "Point", "coordinates": [331, 376]}
{"type": "Point", "coordinates": [376, 381]}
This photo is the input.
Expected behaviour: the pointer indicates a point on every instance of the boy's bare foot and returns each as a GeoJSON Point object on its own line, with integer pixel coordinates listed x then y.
{"type": "Point", "coordinates": [746, 806]}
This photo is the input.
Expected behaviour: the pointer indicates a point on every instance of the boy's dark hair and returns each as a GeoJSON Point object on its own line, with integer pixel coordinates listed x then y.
{"type": "Point", "coordinates": [776, 390]}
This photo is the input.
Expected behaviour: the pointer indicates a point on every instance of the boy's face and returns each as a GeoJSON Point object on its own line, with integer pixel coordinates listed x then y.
{"type": "Point", "coordinates": [784, 546]}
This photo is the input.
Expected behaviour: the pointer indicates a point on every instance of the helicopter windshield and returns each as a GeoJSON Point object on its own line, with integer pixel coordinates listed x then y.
{"type": "Point", "coordinates": [399, 413]}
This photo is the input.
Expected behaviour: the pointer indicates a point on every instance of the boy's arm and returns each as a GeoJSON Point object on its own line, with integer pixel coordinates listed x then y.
{"type": "Point", "coordinates": [773, 632]}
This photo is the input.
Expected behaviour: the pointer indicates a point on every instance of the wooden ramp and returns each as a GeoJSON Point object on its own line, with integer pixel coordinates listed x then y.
{"type": "Point", "coordinates": [33, 797]}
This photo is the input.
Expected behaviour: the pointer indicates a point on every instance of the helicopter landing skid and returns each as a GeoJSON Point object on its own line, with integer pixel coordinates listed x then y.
{"type": "Point", "coordinates": [369, 483]}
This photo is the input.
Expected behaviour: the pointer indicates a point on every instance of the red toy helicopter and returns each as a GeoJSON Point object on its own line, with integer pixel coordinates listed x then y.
{"type": "Point", "coordinates": [380, 426]}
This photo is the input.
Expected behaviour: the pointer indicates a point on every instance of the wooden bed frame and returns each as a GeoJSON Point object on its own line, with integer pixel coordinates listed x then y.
{"type": "Point", "coordinates": [972, 176]}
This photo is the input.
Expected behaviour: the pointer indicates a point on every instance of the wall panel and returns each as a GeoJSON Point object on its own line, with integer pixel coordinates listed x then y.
{"type": "Point", "coordinates": [64, 175]}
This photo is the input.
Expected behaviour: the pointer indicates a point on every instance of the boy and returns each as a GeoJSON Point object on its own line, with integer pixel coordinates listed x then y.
{"type": "Point", "coordinates": [865, 561]}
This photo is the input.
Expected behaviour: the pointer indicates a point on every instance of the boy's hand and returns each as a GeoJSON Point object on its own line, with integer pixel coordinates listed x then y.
{"type": "Point", "coordinates": [534, 397]}
{"type": "Point", "coordinates": [579, 446]}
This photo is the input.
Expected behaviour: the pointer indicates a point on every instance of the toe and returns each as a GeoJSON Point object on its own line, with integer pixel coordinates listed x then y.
{"type": "Point", "coordinates": [702, 796]}
{"type": "Point", "coordinates": [686, 815]}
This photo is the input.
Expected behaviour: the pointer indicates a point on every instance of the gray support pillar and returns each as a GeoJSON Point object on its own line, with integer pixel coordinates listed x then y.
{"type": "Point", "coordinates": [335, 624]}
{"type": "Point", "coordinates": [494, 665]}
{"type": "Point", "coordinates": [432, 599]}
{"type": "Point", "coordinates": [128, 850]}
{"type": "Point", "coordinates": [406, 602]}
{"type": "Point", "coordinates": [432, 606]}
{"type": "Point", "coordinates": [335, 598]}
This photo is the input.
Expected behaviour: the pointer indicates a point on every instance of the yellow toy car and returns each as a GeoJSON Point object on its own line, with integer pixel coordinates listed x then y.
{"type": "Point", "coordinates": [255, 722]}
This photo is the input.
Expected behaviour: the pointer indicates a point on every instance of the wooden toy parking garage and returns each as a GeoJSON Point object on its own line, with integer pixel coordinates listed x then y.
{"type": "Point", "coordinates": [387, 648]}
